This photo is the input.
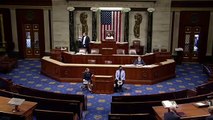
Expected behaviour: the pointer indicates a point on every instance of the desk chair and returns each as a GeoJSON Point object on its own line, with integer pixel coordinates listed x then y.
{"type": "Point", "coordinates": [120, 51]}
{"type": "Point", "coordinates": [132, 52]}
{"type": "Point", "coordinates": [94, 51]}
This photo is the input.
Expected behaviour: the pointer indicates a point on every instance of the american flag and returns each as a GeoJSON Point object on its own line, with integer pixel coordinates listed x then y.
{"type": "Point", "coordinates": [111, 21]}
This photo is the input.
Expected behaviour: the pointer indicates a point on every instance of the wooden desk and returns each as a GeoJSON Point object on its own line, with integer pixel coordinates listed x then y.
{"type": "Point", "coordinates": [71, 72]}
{"type": "Point", "coordinates": [189, 109]}
{"type": "Point", "coordinates": [26, 109]}
{"type": "Point", "coordinates": [109, 47]}
{"type": "Point", "coordinates": [103, 84]}
{"type": "Point", "coordinates": [115, 58]}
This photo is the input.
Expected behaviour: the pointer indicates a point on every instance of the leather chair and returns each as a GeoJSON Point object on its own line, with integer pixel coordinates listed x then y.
{"type": "Point", "coordinates": [120, 51]}
{"type": "Point", "coordinates": [94, 51]}
{"type": "Point", "coordinates": [136, 45]}
{"type": "Point", "coordinates": [132, 52]}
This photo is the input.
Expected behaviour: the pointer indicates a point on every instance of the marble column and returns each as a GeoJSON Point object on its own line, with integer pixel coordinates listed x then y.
{"type": "Point", "coordinates": [71, 31]}
{"type": "Point", "coordinates": [126, 27]}
{"type": "Point", "coordinates": [149, 32]}
{"type": "Point", "coordinates": [94, 26]}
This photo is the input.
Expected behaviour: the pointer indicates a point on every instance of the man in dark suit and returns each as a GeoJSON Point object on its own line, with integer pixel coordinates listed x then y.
{"type": "Point", "coordinates": [85, 40]}
{"type": "Point", "coordinates": [171, 114]}
{"type": "Point", "coordinates": [210, 109]}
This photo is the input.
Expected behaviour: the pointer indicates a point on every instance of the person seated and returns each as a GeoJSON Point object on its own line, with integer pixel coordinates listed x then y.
{"type": "Point", "coordinates": [109, 36]}
{"type": "Point", "coordinates": [120, 77]}
{"type": "Point", "coordinates": [210, 109]}
{"type": "Point", "coordinates": [87, 79]}
{"type": "Point", "coordinates": [139, 61]}
{"type": "Point", "coordinates": [171, 114]}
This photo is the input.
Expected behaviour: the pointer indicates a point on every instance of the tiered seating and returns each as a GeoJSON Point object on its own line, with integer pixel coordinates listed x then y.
{"type": "Point", "coordinates": [54, 115]}
{"type": "Point", "coordinates": [145, 116]}
{"type": "Point", "coordinates": [8, 116]}
{"type": "Point", "coordinates": [143, 104]}
{"type": "Point", "coordinates": [46, 100]}
{"type": "Point", "coordinates": [45, 94]}
{"type": "Point", "coordinates": [7, 63]}
{"type": "Point", "coordinates": [6, 83]}
{"type": "Point", "coordinates": [208, 69]}
{"type": "Point", "coordinates": [49, 104]}
{"type": "Point", "coordinates": [205, 88]}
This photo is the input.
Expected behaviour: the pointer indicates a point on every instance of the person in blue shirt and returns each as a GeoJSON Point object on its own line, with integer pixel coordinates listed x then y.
{"type": "Point", "coordinates": [120, 77]}
{"type": "Point", "coordinates": [87, 79]}
{"type": "Point", "coordinates": [139, 61]}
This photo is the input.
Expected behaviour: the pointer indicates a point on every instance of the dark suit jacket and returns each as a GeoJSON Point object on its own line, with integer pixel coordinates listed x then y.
{"type": "Point", "coordinates": [171, 116]}
{"type": "Point", "coordinates": [209, 117]}
{"type": "Point", "coordinates": [87, 41]}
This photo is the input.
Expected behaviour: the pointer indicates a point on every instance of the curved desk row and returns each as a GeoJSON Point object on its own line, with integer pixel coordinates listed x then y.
{"type": "Point", "coordinates": [72, 72]}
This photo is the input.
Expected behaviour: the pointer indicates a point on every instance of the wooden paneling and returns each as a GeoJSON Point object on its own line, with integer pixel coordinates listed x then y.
{"type": "Point", "coordinates": [27, 2]}
{"type": "Point", "coordinates": [72, 72]}
{"type": "Point", "coordinates": [30, 16]}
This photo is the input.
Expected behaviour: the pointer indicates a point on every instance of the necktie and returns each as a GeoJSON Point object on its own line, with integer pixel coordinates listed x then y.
{"type": "Point", "coordinates": [120, 75]}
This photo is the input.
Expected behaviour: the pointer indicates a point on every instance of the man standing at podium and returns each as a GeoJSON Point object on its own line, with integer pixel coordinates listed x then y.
{"type": "Point", "coordinates": [120, 77]}
{"type": "Point", "coordinates": [85, 40]}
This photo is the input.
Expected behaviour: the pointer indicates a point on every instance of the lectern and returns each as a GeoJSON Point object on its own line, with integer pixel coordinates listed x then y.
{"type": "Point", "coordinates": [103, 84]}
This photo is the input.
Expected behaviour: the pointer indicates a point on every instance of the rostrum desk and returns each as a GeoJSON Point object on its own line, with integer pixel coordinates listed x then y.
{"type": "Point", "coordinates": [70, 70]}
{"type": "Point", "coordinates": [103, 84]}
{"type": "Point", "coordinates": [26, 108]}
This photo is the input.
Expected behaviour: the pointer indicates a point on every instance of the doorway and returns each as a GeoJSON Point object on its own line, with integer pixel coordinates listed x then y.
{"type": "Point", "coordinates": [193, 35]}
{"type": "Point", "coordinates": [30, 27]}
{"type": "Point", "coordinates": [31, 40]}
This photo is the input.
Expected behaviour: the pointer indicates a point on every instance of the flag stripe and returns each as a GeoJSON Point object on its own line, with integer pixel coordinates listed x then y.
{"type": "Point", "coordinates": [111, 20]}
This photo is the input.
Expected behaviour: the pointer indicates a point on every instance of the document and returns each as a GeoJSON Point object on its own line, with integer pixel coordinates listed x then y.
{"type": "Point", "coordinates": [16, 101]}
{"type": "Point", "coordinates": [168, 104]}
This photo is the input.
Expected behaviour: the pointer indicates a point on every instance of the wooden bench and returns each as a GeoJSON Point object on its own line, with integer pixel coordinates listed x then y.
{"type": "Point", "coordinates": [6, 83]}
{"type": "Point", "coordinates": [49, 104]}
{"type": "Point", "coordinates": [54, 115]}
{"type": "Point", "coordinates": [145, 116]}
{"type": "Point", "coordinates": [9, 116]}
{"type": "Point", "coordinates": [208, 69]}
{"type": "Point", "coordinates": [205, 88]}
{"type": "Point", "coordinates": [45, 94]}
{"type": "Point", "coordinates": [7, 63]}
{"type": "Point", "coordinates": [154, 97]}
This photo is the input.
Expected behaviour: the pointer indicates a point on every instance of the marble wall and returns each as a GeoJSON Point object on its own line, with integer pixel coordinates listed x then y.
{"type": "Point", "coordinates": [161, 21]}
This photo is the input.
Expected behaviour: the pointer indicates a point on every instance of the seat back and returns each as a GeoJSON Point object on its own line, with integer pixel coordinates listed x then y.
{"type": "Point", "coordinates": [132, 52]}
{"type": "Point", "coordinates": [120, 51]}
{"type": "Point", "coordinates": [82, 50]}
{"type": "Point", "coordinates": [9, 116]}
{"type": "Point", "coordinates": [94, 51]}
{"type": "Point", "coordinates": [91, 61]}
{"type": "Point", "coordinates": [136, 43]}
{"type": "Point", "coordinates": [53, 115]}
{"type": "Point", "coordinates": [108, 62]}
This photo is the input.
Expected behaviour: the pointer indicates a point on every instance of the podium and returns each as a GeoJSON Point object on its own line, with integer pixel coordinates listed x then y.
{"type": "Point", "coordinates": [103, 84]}
{"type": "Point", "coordinates": [108, 47]}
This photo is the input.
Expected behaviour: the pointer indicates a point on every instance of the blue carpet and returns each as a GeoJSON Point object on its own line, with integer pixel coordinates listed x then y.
{"type": "Point", "coordinates": [188, 76]}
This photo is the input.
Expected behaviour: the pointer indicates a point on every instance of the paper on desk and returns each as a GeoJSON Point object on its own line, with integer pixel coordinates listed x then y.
{"type": "Point", "coordinates": [16, 101]}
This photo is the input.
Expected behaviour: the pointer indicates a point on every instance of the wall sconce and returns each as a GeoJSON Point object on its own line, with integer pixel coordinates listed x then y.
{"type": "Point", "coordinates": [150, 9]}
{"type": "Point", "coordinates": [70, 8]}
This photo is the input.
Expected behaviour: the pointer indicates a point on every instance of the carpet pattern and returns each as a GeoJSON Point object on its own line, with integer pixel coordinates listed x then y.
{"type": "Point", "coordinates": [188, 76]}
